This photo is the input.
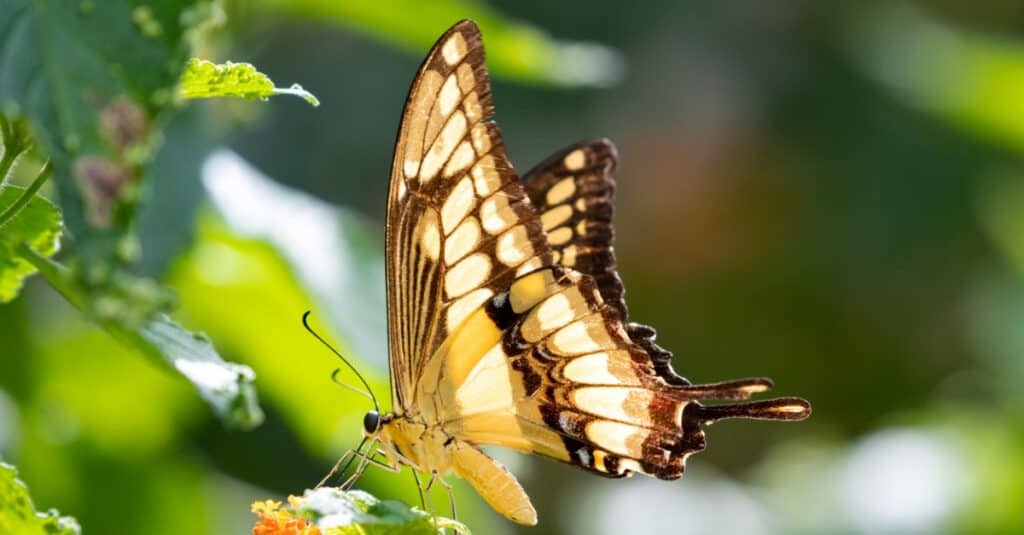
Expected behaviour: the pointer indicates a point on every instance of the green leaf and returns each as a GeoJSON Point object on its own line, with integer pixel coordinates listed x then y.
{"type": "Point", "coordinates": [204, 79]}
{"type": "Point", "coordinates": [225, 386]}
{"type": "Point", "coordinates": [515, 49]}
{"type": "Point", "coordinates": [971, 79]}
{"type": "Point", "coordinates": [337, 512]}
{"type": "Point", "coordinates": [19, 517]}
{"type": "Point", "coordinates": [37, 224]}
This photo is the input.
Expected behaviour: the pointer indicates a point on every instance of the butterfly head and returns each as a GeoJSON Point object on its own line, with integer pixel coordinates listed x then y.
{"type": "Point", "coordinates": [371, 423]}
{"type": "Point", "coordinates": [374, 422]}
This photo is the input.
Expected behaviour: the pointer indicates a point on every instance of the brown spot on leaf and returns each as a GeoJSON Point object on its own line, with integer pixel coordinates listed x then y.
{"type": "Point", "coordinates": [101, 182]}
{"type": "Point", "coordinates": [123, 123]}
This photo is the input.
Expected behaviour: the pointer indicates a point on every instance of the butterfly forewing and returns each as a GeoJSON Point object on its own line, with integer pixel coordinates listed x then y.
{"type": "Point", "coordinates": [459, 225]}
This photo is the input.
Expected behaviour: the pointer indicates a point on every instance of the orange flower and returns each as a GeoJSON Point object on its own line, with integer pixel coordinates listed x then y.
{"type": "Point", "coordinates": [276, 521]}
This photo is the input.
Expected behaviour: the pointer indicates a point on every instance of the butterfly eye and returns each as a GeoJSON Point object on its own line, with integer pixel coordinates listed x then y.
{"type": "Point", "coordinates": [371, 422]}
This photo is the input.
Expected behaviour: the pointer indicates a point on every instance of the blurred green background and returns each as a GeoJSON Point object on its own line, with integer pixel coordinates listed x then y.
{"type": "Point", "coordinates": [829, 194]}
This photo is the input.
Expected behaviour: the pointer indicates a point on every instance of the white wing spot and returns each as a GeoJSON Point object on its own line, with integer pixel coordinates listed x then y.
{"type": "Point", "coordinates": [410, 167]}
{"type": "Point", "coordinates": [459, 203]}
{"type": "Point", "coordinates": [555, 216]}
{"type": "Point", "coordinates": [577, 338]}
{"type": "Point", "coordinates": [561, 191]}
{"type": "Point", "coordinates": [467, 275]}
{"type": "Point", "coordinates": [430, 237]}
{"type": "Point", "coordinates": [496, 214]}
{"type": "Point", "coordinates": [625, 404]}
{"type": "Point", "coordinates": [462, 241]}
{"type": "Point", "coordinates": [461, 159]}
{"type": "Point", "coordinates": [443, 146]}
{"type": "Point", "coordinates": [465, 77]}
{"type": "Point", "coordinates": [471, 105]}
{"type": "Point", "coordinates": [401, 189]}
{"type": "Point", "coordinates": [449, 96]}
{"type": "Point", "coordinates": [617, 437]}
{"type": "Point", "coordinates": [454, 49]}
{"type": "Point", "coordinates": [481, 138]}
{"type": "Point", "coordinates": [569, 256]}
{"type": "Point", "coordinates": [485, 176]}
{"type": "Point", "coordinates": [560, 235]}
{"type": "Point", "coordinates": [575, 160]}
{"type": "Point", "coordinates": [601, 369]}
{"type": "Point", "coordinates": [514, 246]}
{"type": "Point", "coordinates": [552, 313]}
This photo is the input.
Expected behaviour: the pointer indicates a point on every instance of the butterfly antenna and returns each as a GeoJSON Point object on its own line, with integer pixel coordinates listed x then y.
{"type": "Point", "coordinates": [343, 384]}
{"type": "Point", "coordinates": [369, 391]}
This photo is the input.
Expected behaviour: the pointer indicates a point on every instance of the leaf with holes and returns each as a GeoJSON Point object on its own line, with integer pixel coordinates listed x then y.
{"type": "Point", "coordinates": [19, 517]}
{"type": "Point", "coordinates": [203, 79]}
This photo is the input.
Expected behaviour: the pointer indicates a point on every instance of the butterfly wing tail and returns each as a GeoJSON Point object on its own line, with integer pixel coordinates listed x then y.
{"type": "Point", "coordinates": [770, 409]}
{"type": "Point", "coordinates": [788, 408]}
{"type": "Point", "coordinates": [665, 452]}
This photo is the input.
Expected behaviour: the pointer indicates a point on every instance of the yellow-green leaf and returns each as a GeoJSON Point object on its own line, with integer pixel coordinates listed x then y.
{"type": "Point", "coordinates": [19, 517]}
{"type": "Point", "coordinates": [205, 79]}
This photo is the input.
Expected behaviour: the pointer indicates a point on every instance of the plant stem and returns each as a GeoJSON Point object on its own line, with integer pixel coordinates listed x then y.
{"type": "Point", "coordinates": [16, 207]}
{"type": "Point", "coordinates": [57, 274]}
{"type": "Point", "coordinates": [7, 161]}
{"type": "Point", "coordinates": [14, 145]}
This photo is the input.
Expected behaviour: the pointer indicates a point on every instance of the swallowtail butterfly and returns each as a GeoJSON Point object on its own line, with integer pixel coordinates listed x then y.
{"type": "Point", "coordinates": [506, 319]}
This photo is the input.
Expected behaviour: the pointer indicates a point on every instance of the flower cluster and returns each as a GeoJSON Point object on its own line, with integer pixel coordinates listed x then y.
{"type": "Point", "coordinates": [275, 520]}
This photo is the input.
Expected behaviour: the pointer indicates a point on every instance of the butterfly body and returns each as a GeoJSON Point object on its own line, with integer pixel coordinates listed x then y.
{"type": "Point", "coordinates": [506, 320]}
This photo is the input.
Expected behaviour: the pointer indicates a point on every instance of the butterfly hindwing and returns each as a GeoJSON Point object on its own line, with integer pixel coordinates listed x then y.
{"type": "Point", "coordinates": [548, 368]}
{"type": "Point", "coordinates": [459, 225]}
{"type": "Point", "coordinates": [573, 190]}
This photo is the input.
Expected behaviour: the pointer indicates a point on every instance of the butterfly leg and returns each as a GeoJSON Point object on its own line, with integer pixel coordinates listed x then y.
{"type": "Point", "coordinates": [451, 496]}
{"type": "Point", "coordinates": [419, 488]}
{"type": "Point", "coordinates": [347, 456]}
{"type": "Point", "coordinates": [366, 459]}
{"type": "Point", "coordinates": [430, 499]}
{"type": "Point", "coordinates": [426, 502]}
{"type": "Point", "coordinates": [437, 478]}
